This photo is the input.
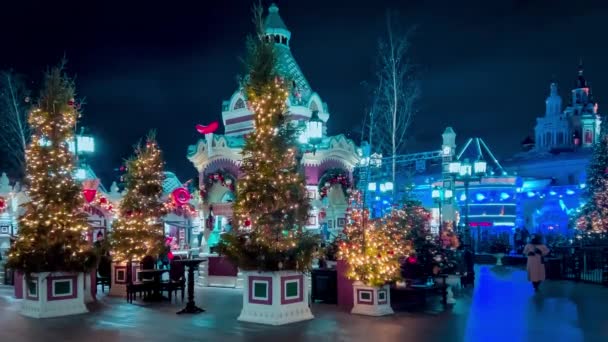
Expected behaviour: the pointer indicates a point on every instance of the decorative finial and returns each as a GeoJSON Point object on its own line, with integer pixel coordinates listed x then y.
{"type": "Point", "coordinates": [273, 8]}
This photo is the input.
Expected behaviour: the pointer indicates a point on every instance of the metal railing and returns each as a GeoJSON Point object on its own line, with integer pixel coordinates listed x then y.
{"type": "Point", "coordinates": [586, 264]}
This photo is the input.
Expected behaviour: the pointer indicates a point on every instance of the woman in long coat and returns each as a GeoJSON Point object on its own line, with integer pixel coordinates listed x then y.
{"type": "Point", "coordinates": [535, 250]}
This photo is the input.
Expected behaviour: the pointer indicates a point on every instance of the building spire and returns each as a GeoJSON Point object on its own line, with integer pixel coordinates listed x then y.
{"type": "Point", "coordinates": [580, 80]}
{"type": "Point", "coordinates": [275, 28]}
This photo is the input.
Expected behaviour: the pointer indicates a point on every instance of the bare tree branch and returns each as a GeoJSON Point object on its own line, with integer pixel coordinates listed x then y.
{"type": "Point", "coordinates": [395, 97]}
{"type": "Point", "coordinates": [14, 127]}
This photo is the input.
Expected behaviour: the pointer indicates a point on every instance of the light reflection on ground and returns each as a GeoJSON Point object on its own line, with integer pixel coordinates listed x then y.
{"type": "Point", "coordinates": [502, 307]}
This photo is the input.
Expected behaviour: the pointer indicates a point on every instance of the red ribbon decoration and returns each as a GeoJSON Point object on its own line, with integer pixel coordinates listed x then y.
{"type": "Point", "coordinates": [89, 194]}
{"type": "Point", "coordinates": [210, 128]}
{"type": "Point", "coordinates": [181, 196]}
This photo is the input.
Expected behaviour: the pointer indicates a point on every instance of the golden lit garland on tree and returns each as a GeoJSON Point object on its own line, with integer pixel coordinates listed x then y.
{"type": "Point", "coordinates": [271, 206]}
{"type": "Point", "coordinates": [373, 248]}
{"type": "Point", "coordinates": [139, 230]}
{"type": "Point", "coordinates": [52, 230]}
{"type": "Point", "coordinates": [593, 217]}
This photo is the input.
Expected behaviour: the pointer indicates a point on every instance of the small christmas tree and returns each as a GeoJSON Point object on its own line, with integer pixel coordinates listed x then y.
{"type": "Point", "coordinates": [139, 231]}
{"type": "Point", "coordinates": [52, 229]}
{"type": "Point", "coordinates": [593, 218]}
{"type": "Point", "coordinates": [271, 206]}
{"type": "Point", "coordinates": [372, 248]}
{"type": "Point", "coordinates": [432, 254]}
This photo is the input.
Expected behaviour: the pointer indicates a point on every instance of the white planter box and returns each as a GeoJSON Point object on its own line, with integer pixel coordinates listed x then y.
{"type": "Point", "coordinates": [275, 298]}
{"type": "Point", "coordinates": [53, 295]}
{"type": "Point", "coordinates": [206, 280]}
{"type": "Point", "coordinates": [119, 279]}
{"type": "Point", "coordinates": [90, 288]}
{"type": "Point", "coordinates": [371, 301]}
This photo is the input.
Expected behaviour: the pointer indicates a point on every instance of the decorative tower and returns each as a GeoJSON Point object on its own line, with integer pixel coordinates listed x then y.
{"type": "Point", "coordinates": [553, 103]}
{"type": "Point", "coordinates": [585, 109]}
{"type": "Point", "coordinates": [302, 101]}
{"type": "Point", "coordinates": [552, 131]}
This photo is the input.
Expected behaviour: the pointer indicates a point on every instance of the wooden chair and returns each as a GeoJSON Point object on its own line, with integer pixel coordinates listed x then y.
{"type": "Point", "coordinates": [177, 279]}
{"type": "Point", "coordinates": [104, 273]}
{"type": "Point", "coordinates": [148, 263]}
{"type": "Point", "coordinates": [136, 287]}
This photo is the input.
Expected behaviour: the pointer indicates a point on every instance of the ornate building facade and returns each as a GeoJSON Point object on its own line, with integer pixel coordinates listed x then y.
{"type": "Point", "coordinates": [327, 165]}
{"type": "Point", "coordinates": [576, 126]}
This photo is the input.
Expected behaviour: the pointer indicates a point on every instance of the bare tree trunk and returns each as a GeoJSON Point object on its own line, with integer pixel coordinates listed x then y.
{"type": "Point", "coordinates": [395, 99]}
{"type": "Point", "coordinates": [396, 95]}
{"type": "Point", "coordinates": [15, 132]}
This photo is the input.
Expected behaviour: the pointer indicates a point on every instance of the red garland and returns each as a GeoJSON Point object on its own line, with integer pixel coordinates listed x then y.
{"type": "Point", "coordinates": [217, 177]}
{"type": "Point", "coordinates": [338, 179]}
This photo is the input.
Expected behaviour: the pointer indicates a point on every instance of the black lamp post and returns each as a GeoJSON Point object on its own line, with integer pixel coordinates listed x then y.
{"type": "Point", "coordinates": [467, 172]}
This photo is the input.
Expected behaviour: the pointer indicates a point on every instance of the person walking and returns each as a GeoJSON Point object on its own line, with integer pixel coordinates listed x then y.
{"type": "Point", "coordinates": [536, 251]}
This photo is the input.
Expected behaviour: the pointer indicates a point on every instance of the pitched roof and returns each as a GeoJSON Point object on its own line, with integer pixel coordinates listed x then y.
{"type": "Point", "coordinates": [273, 20]}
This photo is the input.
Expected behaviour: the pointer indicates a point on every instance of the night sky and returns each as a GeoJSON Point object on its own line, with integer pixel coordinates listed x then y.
{"type": "Point", "coordinates": [485, 66]}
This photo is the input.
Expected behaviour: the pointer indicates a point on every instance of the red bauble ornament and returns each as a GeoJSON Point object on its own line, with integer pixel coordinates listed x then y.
{"type": "Point", "coordinates": [110, 208]}
{"type": "Point", "coordinates": [71, 102]}
{"type": "Point", "coordinates": [379, 256]}
{"type": "Point", "coordinates": [2, 204]}
{"type": "Point", "coordinates": [103, 200]}
{"type": "Point", "coordinates": [170, 256]}
{"type": "Point", "coordinates": [210, 128]}
{"type": "Point", "coordinates": [89, 194]}
{"type": "Point", "coordinates": [247, 222]}
{"type": "Point", "coordinates": [412, 260]}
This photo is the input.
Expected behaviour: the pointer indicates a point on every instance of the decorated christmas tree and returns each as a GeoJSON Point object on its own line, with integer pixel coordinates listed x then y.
{"type": "Point", "coordinates": [52, 229]}
{"type": "Point", "coordinates": [373, 248]}
{"type": "Point", "coordinates": [271, 207]}
{"type": "Point", "coordinates": [432, 254]}
{"type": "Point", "coordinates": [593, 218]}
{"type": "Point", "coordinates": [139, 231]}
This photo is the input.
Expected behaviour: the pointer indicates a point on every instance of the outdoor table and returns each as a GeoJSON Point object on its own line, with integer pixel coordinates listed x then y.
{"type": "Point", "coordinates": [191, 307]}
{"type": "Point", "coordinates": [156, 296]}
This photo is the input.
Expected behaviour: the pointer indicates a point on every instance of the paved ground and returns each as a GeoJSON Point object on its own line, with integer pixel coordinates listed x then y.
{"type": "Point", "coordinates": [502, 307]}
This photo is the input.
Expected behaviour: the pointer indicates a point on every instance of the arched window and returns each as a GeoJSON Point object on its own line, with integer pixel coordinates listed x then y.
{"type": "Point", "coordinates": [239, 104]}
{"type": "Point", "coordinates": [314, 106]}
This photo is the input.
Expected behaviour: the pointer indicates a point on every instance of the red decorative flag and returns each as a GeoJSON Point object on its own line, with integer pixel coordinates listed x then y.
{"type": "Point", "coordinates": [210, 128]}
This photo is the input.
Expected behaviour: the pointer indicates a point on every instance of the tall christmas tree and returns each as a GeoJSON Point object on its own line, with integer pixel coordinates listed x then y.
{"type": "Point", "coordinates": [271, 206]}
{"type": "Point", "coordinates": [52, 229]}
{"type": "Point", "coordinates": [593, 217]}
{"type": "Point", "coordinates": [139, 231]}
